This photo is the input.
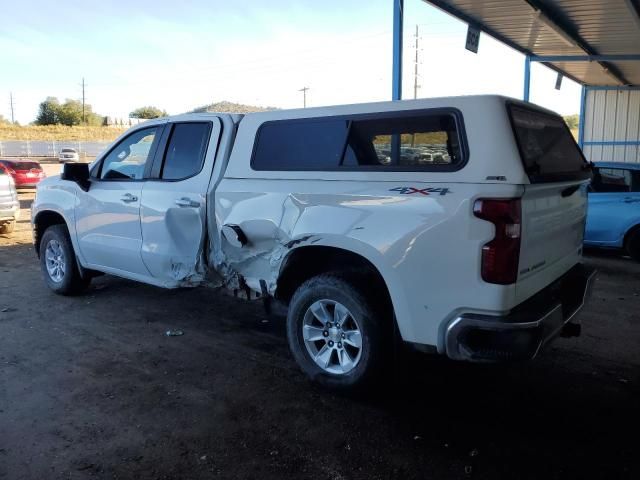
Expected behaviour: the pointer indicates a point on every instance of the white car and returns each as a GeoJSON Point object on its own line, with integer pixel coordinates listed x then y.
{"type": "Point", "coordinates": [9, 204]}
{"type": "Point", "coordinates": [68, 155]}
{"type": "Point", "coordinates": [476, 256]}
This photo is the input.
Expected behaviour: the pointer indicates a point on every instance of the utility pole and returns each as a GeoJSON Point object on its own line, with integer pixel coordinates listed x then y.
{"type": "Point", "coordinates": [415, 79]}
{"type": "Point", "coordinates": [415, 71]}
{"type": "Point", "coordinates": [83, 116]}
{"type": "Point", "coordinates": [304, 96]}
{"type": "Point", "coordinates": [11, 104]}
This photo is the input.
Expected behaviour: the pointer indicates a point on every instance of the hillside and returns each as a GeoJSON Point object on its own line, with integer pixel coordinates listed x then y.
{"type": "Point", "coordinates": [230, 107]}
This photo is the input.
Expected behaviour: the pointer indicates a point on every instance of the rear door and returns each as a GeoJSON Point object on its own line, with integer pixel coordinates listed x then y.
{"type": "Point", "coordinates": [553, 205]}
{"type": "Point", "coordinates": [614, 205]}
{"type": "Point", "coordinates": [173, 209]}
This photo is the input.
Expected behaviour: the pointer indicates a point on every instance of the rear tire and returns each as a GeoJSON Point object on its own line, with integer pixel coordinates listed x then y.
{"type": "Point", "coordinates": [633, 245]}
{"type": "Point", "coordinates": [58, 262]}
{"type": "Point", "coordinates": [8, 227]}
{"type": "Point", "coordinates": [335, 333]}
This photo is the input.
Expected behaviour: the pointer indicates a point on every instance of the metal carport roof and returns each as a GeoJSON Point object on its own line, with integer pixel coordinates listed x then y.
{"type": "Point", "coordinates": [595, 42]}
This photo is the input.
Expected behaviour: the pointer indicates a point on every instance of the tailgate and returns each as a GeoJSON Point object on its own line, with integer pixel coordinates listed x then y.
{"type": "Point", "coordinates": [554, 206]}
{"type": "Point", "coordinates": [553, 220]}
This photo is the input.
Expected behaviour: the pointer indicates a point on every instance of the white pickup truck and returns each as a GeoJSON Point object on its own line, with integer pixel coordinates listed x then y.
{"type": "Point", "coordinates": [455, 224]}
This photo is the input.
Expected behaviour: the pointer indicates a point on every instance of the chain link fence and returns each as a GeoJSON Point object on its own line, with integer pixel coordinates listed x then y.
{"type": "Point", "coordinates": [27, 148]}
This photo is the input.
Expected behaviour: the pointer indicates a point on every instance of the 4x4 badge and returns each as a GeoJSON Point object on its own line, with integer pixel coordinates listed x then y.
{"type": "Point", "coordinates": [420, 191]}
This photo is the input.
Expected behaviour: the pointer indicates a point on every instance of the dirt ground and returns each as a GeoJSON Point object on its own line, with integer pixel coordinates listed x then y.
{"type": "Point", "coordinates": [91, 387]}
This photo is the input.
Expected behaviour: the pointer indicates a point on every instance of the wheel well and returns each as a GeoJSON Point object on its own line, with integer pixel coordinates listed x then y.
{"type": "Point", "coordinates": [630, 232]}
{"type": "Point", "coordinates": [43, 221]}
{"type": "Point", "coordinates": [306, 262]}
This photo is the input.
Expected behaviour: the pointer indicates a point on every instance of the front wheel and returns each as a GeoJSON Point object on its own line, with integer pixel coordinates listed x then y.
{"type": "Point", "coordinates": [335, 333]}
{"type": "Point", "coordinates": [58, 262]}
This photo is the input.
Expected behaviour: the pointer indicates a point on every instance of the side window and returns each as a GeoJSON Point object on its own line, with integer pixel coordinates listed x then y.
{"type": "Point", "coordinates": [608, 180]}
{"type": "Point", "coordinates": [300, 145]}
{"type": "Point", "coordinates": [186, 149]}
{"type": "Point", "coordinates": [128, 159]}
{"type": "Point", "coordinates": [419, 141]}
{"type": "Point", "coordinates": [422, 141]}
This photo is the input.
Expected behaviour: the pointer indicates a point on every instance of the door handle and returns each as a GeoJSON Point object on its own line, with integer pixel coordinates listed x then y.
{"type": "Point", "coordinates": [128, 198]}
{"type": "Point", "coordinates": [187, 202]}
{"type": "Point", "coordinates": [631, 200]}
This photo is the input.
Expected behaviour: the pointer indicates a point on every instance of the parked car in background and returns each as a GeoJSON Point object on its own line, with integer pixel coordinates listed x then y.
{"type": "Point", "coordinates": [68, 155]}
{"type": "Point", "coordinates": [9, 204]}
{"type": "Point", "coordinates": [25, 173]}
{"type": "Point", "coordinates": [613, 218]}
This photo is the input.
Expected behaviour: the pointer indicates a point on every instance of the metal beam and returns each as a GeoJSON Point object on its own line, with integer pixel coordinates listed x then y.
{"type": "Point", "coordinates": [586, 58]}
{"type": "Point", "coordinates": [583, 101]}
{"type": "Point", "coordinates": [398, 20]}
{"type": "Point", "coordinates": [634, 9]}
{"type": "Point", "coordinates": [579, 41]}
{"type": "Point", "coordinates": [619, 143]}
{"type": "Point", "coordinates": [527, 77]}
{"type": "Point", "coordinates": [448, 8]}
{"type": "Point", "coordinates": [617, 88]}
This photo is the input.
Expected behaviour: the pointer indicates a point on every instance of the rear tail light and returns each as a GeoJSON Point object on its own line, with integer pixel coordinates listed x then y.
{"type": "Point", "coordinates": [500, 257]}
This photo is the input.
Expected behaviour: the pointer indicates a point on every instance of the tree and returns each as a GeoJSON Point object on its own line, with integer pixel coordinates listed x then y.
{"type": "Point", "coordinates": [4, 121]}
{"type": "Point", "coordinates": [572, 121]}
{"type": "Point", "coordinates": [52, 112]}
{"type": "Point", "coordinates": [48, 112]}
{"type": "Point", "coordinates": [148, 112]}
{"type": "Point", "coordinates": [70, 112]}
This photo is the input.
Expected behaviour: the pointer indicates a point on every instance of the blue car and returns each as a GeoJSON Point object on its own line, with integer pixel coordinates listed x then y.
{"type": "Point", "coordinates": [613, 216]}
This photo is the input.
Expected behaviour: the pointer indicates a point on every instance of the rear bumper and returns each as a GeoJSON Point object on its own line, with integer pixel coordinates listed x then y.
{"type": "Point", "coordinates": [521, 334]}
{"type": "Point", "coordinates": [28, 182]}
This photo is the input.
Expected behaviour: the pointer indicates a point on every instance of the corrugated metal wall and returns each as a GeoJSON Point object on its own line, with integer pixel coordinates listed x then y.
{"type": "Point", "coordinates": [612, 125]}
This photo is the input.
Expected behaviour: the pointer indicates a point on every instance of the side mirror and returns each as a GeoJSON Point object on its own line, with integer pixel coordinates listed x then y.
{"type": "Point", "coordinates": [78, 173]}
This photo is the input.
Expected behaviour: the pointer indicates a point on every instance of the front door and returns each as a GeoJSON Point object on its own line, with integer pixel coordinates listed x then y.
{"type": "Point", "coordinates": [108, 215]}
{"type": "Point", "coordinates": [173, 210]}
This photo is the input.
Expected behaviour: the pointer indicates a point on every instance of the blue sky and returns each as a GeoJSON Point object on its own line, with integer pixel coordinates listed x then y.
{"type": "Point", "coordinates": [180, 55]}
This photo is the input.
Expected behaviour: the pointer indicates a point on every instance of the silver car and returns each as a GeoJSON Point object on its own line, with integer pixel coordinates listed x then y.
{"type": "Point", "coordinates": [68, 155]}
{"type": "Point", "coordinates": [9, 204]}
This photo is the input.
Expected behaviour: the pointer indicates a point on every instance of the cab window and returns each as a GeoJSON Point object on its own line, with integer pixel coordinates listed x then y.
{"type": "Point", "coordinates": [127, 161]}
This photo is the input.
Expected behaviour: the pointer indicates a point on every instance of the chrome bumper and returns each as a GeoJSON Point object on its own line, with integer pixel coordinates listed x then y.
{"type": "Point", "coordinates": [527, 328]}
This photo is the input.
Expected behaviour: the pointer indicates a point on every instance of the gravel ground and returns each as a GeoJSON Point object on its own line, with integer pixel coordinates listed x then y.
{"type": "Point", "coordinates": [90, 387]}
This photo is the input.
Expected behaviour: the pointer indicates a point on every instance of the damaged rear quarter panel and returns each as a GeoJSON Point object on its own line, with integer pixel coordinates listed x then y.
{"type": "Point", "coordinates": [414, 241]}
{"type": "Point", "coordinates": [279, 221]}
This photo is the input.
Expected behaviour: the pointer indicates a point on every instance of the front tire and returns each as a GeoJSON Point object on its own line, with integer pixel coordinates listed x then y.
{"type": "Point", "coordinates": [58, 262]}
{"type": "Point", "coordinates": [335, 333]}
{"type": "Point", "coordinates": [633, 245]}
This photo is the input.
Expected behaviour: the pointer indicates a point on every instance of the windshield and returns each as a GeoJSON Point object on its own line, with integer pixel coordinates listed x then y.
{"type": "Point", "coordinates": [547, 148]}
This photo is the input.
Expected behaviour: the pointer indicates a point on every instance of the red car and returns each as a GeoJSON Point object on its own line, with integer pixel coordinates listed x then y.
{"type": "Point", "coordinates": [25, 173]}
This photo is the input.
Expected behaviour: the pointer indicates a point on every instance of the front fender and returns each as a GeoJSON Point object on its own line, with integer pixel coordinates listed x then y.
{"type": "Point", "coordinates": [59, 197]}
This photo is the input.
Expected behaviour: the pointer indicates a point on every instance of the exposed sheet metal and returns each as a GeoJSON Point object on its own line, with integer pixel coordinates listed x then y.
{"type": "Point", "coordinates": [603, 27]}
{"type": "Point", "coordinates": [612, 125]}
